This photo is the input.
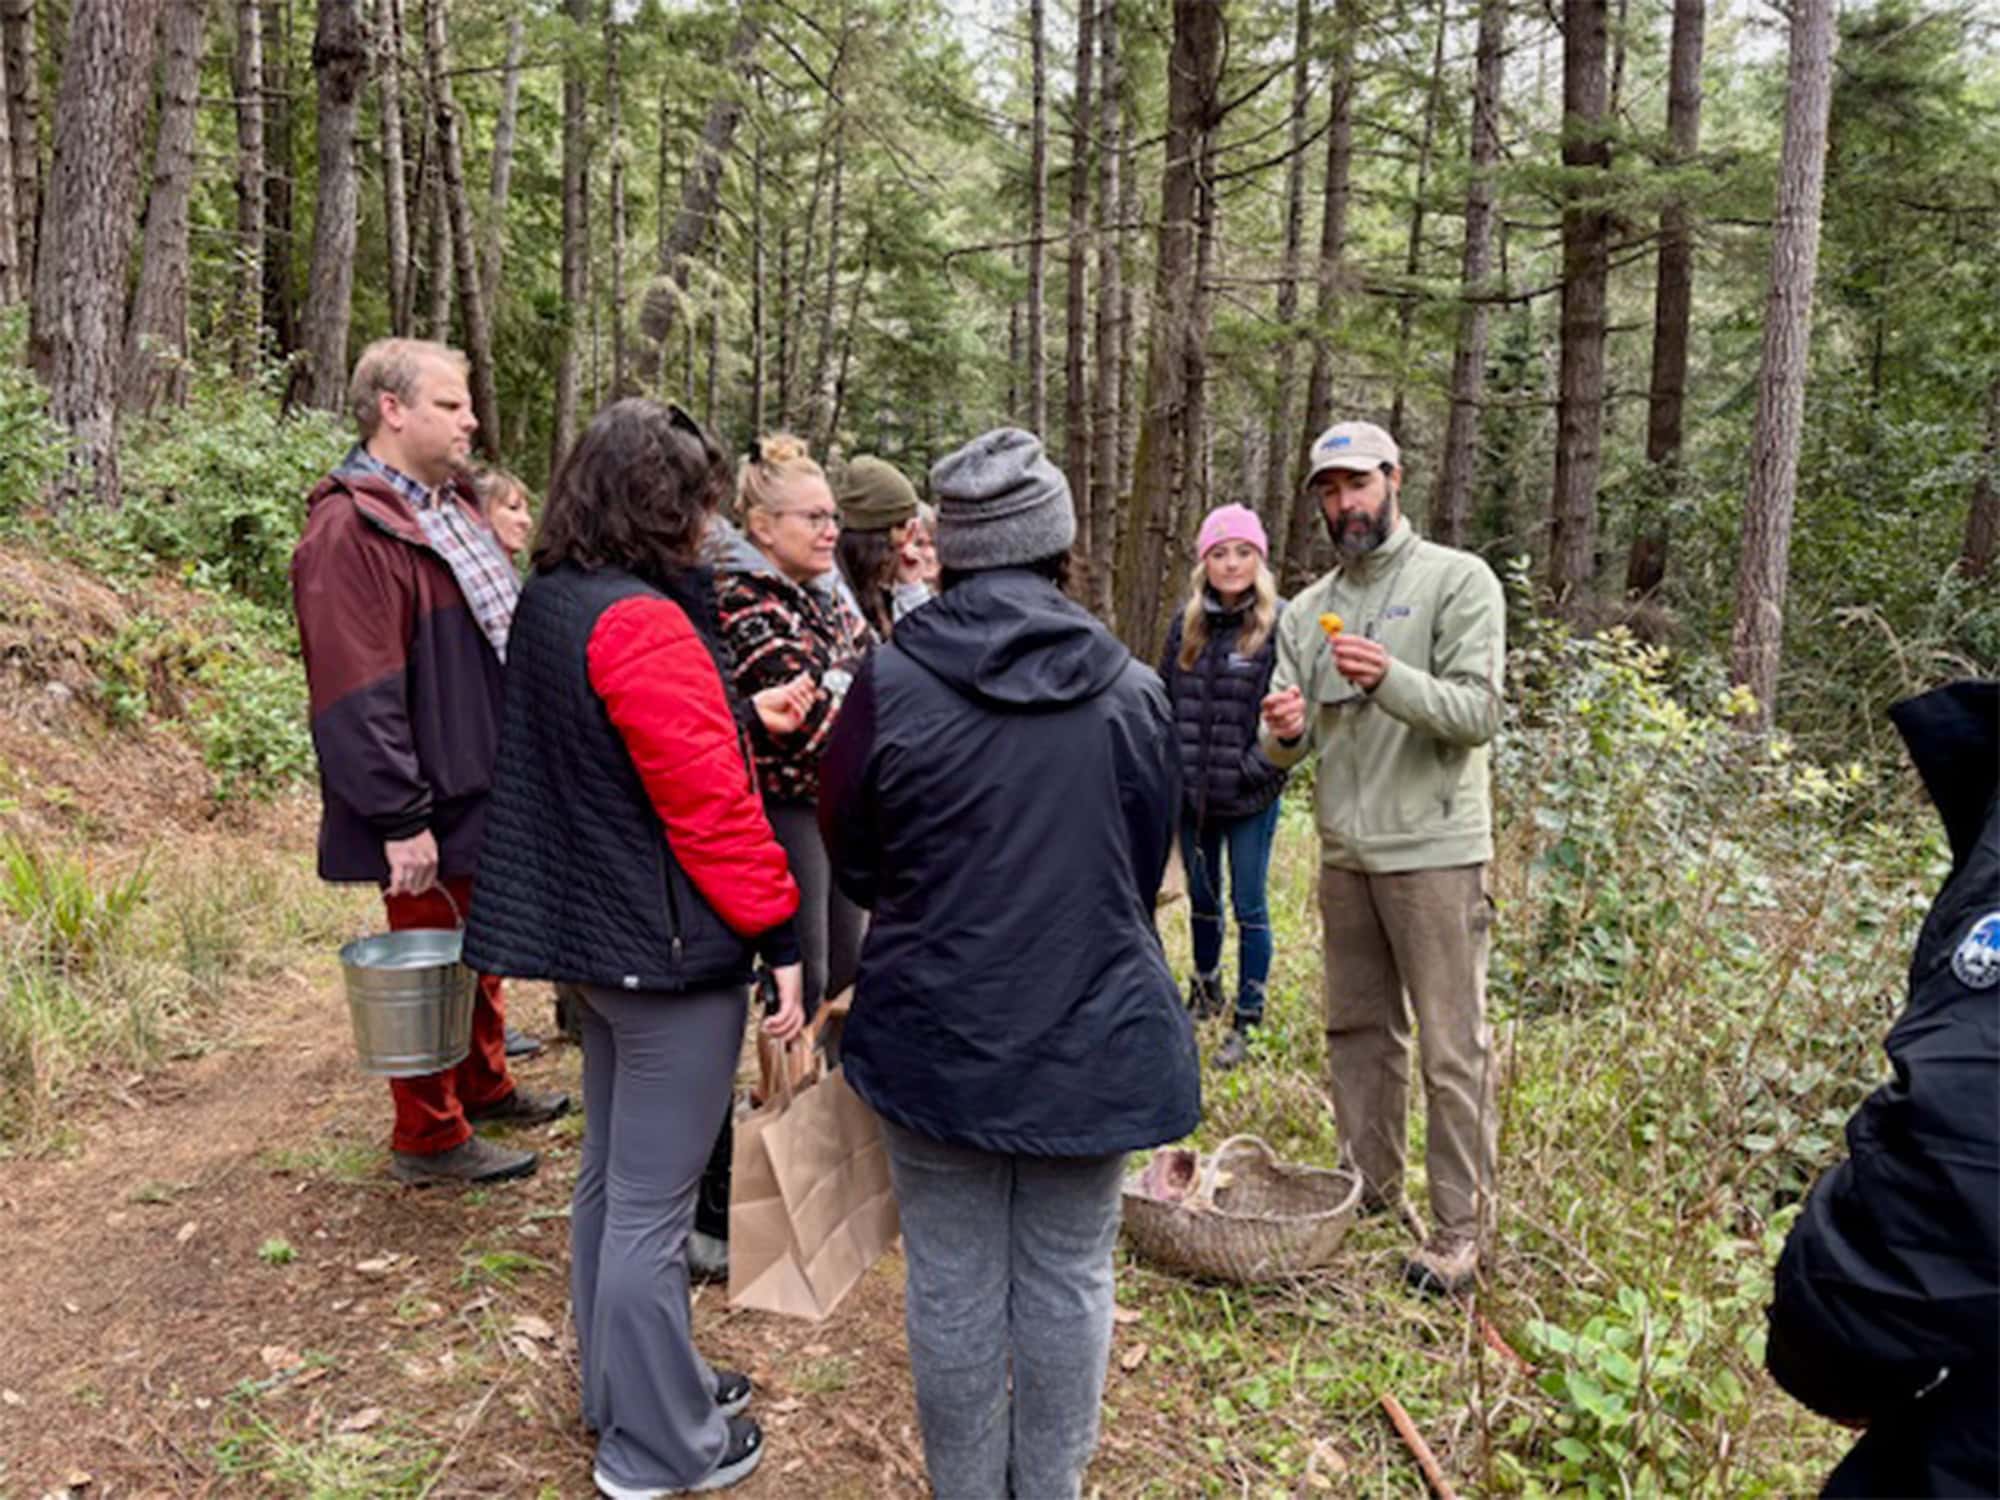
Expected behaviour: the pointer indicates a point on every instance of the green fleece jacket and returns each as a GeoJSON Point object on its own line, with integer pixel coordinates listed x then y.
{"type": "Point", "coordinates": [1402, 776]}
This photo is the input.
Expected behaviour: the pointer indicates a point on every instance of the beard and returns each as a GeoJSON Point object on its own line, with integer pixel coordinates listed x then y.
{"type": "Point", "coordinates": [1357, 536]}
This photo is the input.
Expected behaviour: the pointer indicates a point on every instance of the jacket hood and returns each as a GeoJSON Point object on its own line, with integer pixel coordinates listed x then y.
{"type": "Point", "coordinates": [1953, 735]}
{"type": "Point", "coordinates": [1011, 637]}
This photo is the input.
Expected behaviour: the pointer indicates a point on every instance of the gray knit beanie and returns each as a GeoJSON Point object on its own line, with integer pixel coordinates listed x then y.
{"type": "Point", "coordinates": [1001, 503]}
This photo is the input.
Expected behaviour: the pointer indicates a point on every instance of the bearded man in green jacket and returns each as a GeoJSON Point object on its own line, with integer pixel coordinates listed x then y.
{"type": "Point", "coordinates": [1389, 671]}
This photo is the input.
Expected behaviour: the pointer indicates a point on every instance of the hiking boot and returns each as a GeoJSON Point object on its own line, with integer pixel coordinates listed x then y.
{"type": "Point", "coordinates": [472, 1160]}
{"type": "Point", "coordinates": [1204, 995]}
{"type": "Point", "coordinates": [740, 1456]}
{"type": "Point", "coordinates": [708, 1257]}
{"type": "Point", "coordinates": [520, 1044]}
{"type": "Point", "coordinates": [1447, 1265]}
{"type": "Point", "coordinates": [521, 1107]}
{"type": "Point", "coordinates": [732, 1391]}
{"type": "Point", "coordinates": [1235, 1049]}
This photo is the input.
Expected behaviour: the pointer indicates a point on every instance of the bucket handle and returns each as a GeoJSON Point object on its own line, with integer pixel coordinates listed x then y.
{"type": "Point", "coordinates": [457, 911]}
{"type": "Point", "coordinates": [1203, 1197]}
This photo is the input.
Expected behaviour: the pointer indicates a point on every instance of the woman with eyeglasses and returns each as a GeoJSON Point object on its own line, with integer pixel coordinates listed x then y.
{"type": "Point", "coordinates": [783, 618]}
{"type": "Point", "coordinates": [627, 856]}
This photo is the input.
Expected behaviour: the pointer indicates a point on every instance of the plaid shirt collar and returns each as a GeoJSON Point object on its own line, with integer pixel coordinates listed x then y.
{"type": "Point", "coordinates": [421, 496]}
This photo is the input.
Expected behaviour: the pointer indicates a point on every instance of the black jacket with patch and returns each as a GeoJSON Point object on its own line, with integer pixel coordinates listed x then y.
{"type": "Point", "coordinates": [1887, 1302]}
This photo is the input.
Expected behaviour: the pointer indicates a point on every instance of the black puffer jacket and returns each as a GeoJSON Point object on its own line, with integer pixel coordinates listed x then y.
{"type": "Point", "coordinates": [1217, 708]}
{"type": "Point", "coordinates": [1000, 793]}
{"type": "Point", "coordinates": [1887, 1303]}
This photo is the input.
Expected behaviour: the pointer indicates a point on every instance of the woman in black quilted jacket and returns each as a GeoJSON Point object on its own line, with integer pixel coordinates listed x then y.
{"type": "Point", "coordinates": [1217, 668]}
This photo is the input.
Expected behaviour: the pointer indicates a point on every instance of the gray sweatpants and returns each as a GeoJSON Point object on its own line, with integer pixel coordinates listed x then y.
{"type": "Point", "coordinates": [657, 1074]}
{"type": "Point", "coordinates": [830, 926]}
{"type": "Point", "coordinates": [1009, 1268]}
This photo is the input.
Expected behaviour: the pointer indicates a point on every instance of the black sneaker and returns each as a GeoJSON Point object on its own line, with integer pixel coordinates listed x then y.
{"type": "Point", "coordinates": [472, 1160]}
{"type": "Point", "coordinates": [732, 1391]}
{"type": "Point", "coordinates": [708, 1257]}
{"type": "Point", "coordinates": [740, 1457]}
{"type": "Point", "coordinates": [521, 1107]}
{"type": "Point", "coordinates": [1204, 996]}
{"type": "Point", "coordinates": [1234, 1051]}
{"type": "Point", "coordinates": [521, 1044]}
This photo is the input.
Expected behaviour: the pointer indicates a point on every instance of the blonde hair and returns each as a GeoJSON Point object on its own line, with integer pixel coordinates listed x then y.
{"type": "Point", "coordinates": [1256, 625]}
{"type": "Point", "coordinates": [393, 367]}
{"type": "Point", "coordinates": [493, 484]}
{"type": "Point", "coordinates": [762, 479]}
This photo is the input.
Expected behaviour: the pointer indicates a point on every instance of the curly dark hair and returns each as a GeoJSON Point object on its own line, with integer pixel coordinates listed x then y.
{"type": "Point", "coordinates": [636, 492]}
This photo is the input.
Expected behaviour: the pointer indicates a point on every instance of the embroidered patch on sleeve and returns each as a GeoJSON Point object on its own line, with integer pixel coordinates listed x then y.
{"type": "Point", "coordinates": [1977, 959]}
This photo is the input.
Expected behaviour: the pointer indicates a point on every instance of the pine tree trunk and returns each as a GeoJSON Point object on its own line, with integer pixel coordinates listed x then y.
{"type": "Point", "coordinates": [246, 313]}
{"type": "Point", "coordinates": [1413, 255]}
{"type": "Point", "coordinates": [10, 239]}
{"type": "Point", "coordinates": [822, 377]}
{"type": "Point", "coordinates": [1673, 304]}
{"type": "Point", "coordinates": [500, 175]}
{"type": "Point", "coordinates": [442, 263]}
{"type": "Point", "coordinates": [1153, 506]}
{"type": "Point", "coordinates": [575, 247]}
{"type": "Point", "coordinates": [1107, 499]}
{"type": "Point", "coordinates": [1076, 301]}
{"type": "Point", "coordinates": [1277, 485]}
{"type": "Point", "coordinates": [395, 176]}
{"type": "Point", "coordinates": [1586, 234]}
{"type": "Point", "coordinates": [1038, 220]}
{"type": "Point", "coordinates": [1757, 640]}
{"type": "Point", "coordinates": [1303, 545]}
{"type": "Point", "coordinates": [87, 226]}
{"type": "Point", "coordinates": [614, 111]}
{"type": "Point", "coordinates": [757, 288]}
{"type": "Point", "coordinates": [23, 103]}
{"type": "Point", "coordinates": [281, 305]}
{"type": "Point", "coordinates": [464, 236]}
{"type": "Point", "coordinates": [1982, 519]}
{"type": "Point", "coordinates": [784, 327]}
{"type": "Point", "coordinates": [156, 335]}
{"type": "Point", "coordinates": [1197, 435]}
{"type": "Point", "coordinates": [1453, 504]}
{"type": "Point", "coordinates": [340, 58]}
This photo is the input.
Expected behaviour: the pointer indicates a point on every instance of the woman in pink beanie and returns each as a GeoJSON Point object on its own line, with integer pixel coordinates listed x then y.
{"type": "Point", "coordinates": [1217, 669]}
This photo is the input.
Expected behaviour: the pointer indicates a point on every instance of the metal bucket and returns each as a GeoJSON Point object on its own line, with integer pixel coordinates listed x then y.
{"type": "Point", "coordinates": [411, 1001]}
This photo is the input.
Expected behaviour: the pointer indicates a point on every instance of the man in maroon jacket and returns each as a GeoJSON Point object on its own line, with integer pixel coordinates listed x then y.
{"type": "Point", "coordinates": [404, 598]}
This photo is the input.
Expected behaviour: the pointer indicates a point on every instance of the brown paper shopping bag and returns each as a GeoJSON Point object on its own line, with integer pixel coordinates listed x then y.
{"type": "Point", "coordinates": [810, 1204]}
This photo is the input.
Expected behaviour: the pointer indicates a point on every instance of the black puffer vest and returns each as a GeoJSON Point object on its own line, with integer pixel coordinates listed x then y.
{"type": "Point", "coordinates": [577, 881]}
{"type": "Point", "coordinates": [1217, 707]}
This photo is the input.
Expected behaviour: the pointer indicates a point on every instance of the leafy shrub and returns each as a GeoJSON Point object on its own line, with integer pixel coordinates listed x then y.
{"type": "Point", "coordinates": [32, 446]}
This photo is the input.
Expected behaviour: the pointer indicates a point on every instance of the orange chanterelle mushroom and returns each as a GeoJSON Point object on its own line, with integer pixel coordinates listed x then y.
{"type": "Point", "coordinates": [1331, 624]}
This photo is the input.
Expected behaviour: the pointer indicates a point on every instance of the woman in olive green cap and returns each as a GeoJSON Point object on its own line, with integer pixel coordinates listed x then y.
{"type": "Point", "coordinates": [877, 508]}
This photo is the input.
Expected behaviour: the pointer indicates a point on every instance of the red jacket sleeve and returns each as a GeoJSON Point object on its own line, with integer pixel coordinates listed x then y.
{"type": "Point", "coordinates": [661, 687]}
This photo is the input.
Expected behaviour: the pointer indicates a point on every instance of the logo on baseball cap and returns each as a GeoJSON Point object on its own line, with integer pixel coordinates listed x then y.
{"type": "Point", "coordinates": [1357, 446]}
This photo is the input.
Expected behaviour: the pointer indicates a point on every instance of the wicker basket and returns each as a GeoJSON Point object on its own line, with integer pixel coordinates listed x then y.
{"type": "Point", "coordinates": [1249, 1217]}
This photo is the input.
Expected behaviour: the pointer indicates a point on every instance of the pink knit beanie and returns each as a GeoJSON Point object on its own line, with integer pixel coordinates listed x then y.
{"type": "Point", "coordinates": [1232, 523]}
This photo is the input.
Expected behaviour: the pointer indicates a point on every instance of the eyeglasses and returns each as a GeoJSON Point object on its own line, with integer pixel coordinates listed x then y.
{"type": "Point", "coordinates": [817, 520]}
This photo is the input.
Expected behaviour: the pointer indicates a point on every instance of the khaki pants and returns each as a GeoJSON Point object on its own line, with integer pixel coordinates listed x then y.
{"type": "Point", "coordinates": [1424, 934]}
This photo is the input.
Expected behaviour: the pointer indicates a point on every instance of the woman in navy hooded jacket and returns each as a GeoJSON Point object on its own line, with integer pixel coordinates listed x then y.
{"type": "Point", "coordinates": [1000, 792]}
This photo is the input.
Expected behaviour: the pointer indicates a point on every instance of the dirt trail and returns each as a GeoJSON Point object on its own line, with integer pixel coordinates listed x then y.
{"type": "Point", "coordinates": [159, 1340]}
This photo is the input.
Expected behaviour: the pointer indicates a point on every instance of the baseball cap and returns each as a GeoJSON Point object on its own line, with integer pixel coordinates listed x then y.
{"type": "Point", "coordinates": [1358, 446]}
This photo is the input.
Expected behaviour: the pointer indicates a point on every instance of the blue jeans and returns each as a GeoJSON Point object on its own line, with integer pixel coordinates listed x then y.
{"type": "Point", "coordinates": [1248, 841]}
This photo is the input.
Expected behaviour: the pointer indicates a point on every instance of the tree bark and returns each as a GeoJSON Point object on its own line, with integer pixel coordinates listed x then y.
{"type": "Point", "coordinates": [1076, 302]}
{"type": "Point", "coordinates": [1468, 367]}
{"type": "Point", "coordinates": [757, 271]}
{"type": "Point", "coordinates": [701, 185]}
{"type": "Point", "coordinates": [281, 303]}
{"type": "Point", "coordinates": [1758, 637]}
{"type": "Point", "coordinates": [1673, 303]}
{"type": "Point", "coordinates": [614, 112]}
{"type": "Point", "coordinates": [575, 229]}
{"type": "Point", "coordinates": [246, 315]}
{"type": "Point", "coordinates": [10, 239]}
{"type": "Point", "coordinates": [23, 103]}
{"type": "Point", "coordinates": [1982, 520]}
{"type": "Point", "coordinates": [1277, 486]}
{"type": "Point", "coordinates": [156, 334]}
{"type": "Point", "coordinates": [395, 176]}
{"type": "Point", "coordinates": [464, 236]}
{"type": "Point", "coordinates": [1038, 219]}
{"type": "Point", "coordinates": [1307, 531]}
{"type": "Point", "coordinates": [1158, 473]}
{"type": "Point", "coordinates": [501, 169]}
{"type": "Point", "coordinates": [87, 228]}
{"type": "Point", "coordinates": [822, 376]}
{"type": "Point", "coordinates": [1413, 255]}
{"type": "Point", "coordinates": [340, 58]}
{"type": "Point", "coordinates": [442, 263]}
{"type": "Point", "coordinates": [1586, 234]}
{"type": "Point", "coordinates": [1108, 414]}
